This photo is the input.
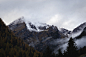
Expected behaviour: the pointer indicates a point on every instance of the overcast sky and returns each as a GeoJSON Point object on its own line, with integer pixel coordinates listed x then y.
{"type": "Point", "coordinates": [61, 13]}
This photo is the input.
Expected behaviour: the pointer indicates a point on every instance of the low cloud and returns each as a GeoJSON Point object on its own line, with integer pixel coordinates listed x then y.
{"type": "Point", "coordinates": [81, 42]}
{"type": "Point", "coordinates": [63, 43]}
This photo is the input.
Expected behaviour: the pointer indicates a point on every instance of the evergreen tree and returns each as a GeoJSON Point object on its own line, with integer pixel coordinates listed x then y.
{"type": "Point", "coordinates": [11, 46]}
{"type": "Point", "coordinates": [65, 54]}
{"type": "Point", "coordinates": [59, 53]}
{"type": "Point", "coordinates": [48, 52]}
{"type": "Point", "coordinates": [71, 49]}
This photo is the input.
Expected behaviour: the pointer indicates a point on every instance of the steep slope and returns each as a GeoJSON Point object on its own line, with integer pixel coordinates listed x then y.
{"type": "Point", "coordinates": [80, 27]}
{"type": "Point", "coordinates": [82, 34]}
{"type": "Point", "coordinates": [31, 26]}
{"type": "Point", "coordinates": [11, 46]}
{"type": "Point", "coordinates": [78, 30]}
{"type": "Point", "coordinates": [37, 35]}
{"type": "Point", "coordinates": [65, 31]}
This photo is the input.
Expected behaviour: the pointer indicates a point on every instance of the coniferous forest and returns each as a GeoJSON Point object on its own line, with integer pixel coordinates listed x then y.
{"type": "Point", "coordinates": [12, 46]}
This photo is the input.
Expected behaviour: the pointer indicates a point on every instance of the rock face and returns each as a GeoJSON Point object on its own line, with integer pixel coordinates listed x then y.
{"type": "Point", "coordinates": [37, 35]}
{"type": "Point", "coordinates": [65, 31]}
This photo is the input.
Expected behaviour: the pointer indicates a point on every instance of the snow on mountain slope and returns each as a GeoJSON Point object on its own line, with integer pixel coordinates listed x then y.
{"type": "Point", "coordinates": [31, 26]}
{"type": "Point", "coordinates": [35, 34]}
{"type": "Point", "coordinates": [65, 31]}
{"type": "Point", "coordinates": [73, 35]}
{"type": "Point", "coordinates": [78, 30]}
{"type": "Point", "coordinates": [20, 20]}
{"type": "Point", "coordinates": [41, 35]}
{"type": "Point", "coordinates": [38, 26]}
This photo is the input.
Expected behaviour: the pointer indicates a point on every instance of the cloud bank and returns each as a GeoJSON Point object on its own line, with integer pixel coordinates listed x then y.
{"type": "Point", "coordinates": [65, 14]}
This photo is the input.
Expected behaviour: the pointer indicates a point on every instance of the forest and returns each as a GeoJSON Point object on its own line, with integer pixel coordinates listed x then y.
{"type": "Point", "coordinates": [11, 46]}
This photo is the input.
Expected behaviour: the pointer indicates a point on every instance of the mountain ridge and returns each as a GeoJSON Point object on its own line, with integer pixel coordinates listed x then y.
{"type": "Point", "coordinates": [37, 39]}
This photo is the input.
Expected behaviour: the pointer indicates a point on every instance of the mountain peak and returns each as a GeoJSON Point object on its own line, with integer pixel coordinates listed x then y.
{"type": "Point", "coordinates": [19, 20]}
{"type": "Point", "coordinates": [31, 26]}
{"type": "Point", "coordinates": [2, 23]}
{"type": "Point", "coordinates": [80, 27]}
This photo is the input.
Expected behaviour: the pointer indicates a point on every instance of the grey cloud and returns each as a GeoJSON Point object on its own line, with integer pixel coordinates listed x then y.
{"type": "Point", "coordinates": [70, 11]}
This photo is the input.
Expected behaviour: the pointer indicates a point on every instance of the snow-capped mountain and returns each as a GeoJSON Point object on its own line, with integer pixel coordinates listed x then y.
{"type": "Point", "coordinates": [78, 30]}
{"type": "Point", "coordinates": [31, 26]}
{"type": "Point", "coordinates": [40, 35]}
{"type": "Point", "coordinates": [37, 35]}
{"type": "Point", "coordinates": [83, 33]}
{"type": "Point", "coordinates": [20, 20]}
{"type": "Point", "coordinates": [79, 38]}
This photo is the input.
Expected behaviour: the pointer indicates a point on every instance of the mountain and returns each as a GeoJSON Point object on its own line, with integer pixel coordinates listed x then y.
{"type": "Point", "coordinates": [37, 27]}
{"type": "Point", "coordinates": [77, 31]}
{"type": "Point", "coordinates": [82, 34]}
{"type": "Point", "coordinates": [12, 46]}
{"type": "Point", "coordinates": [37, 35]}
{"type": "Point", "coordinates": [79, 28]}
{"type": "Point", "coordinates": [78, 34]}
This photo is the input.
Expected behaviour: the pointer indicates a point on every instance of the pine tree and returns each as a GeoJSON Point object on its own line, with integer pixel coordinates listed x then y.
{"type": "Point", "coordinates": [48, 52]}
{"type": "Point", "coordinates": [72, 48]}
{"type": "Point", "coordinates": [60, 53]}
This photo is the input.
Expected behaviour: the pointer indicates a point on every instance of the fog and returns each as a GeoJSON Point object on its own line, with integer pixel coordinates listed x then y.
{"type": "Point", "coordinates": [73, 35]}
{"type": "Point", "coordinates": [63, 43]}
{"type": "Point", "coordinates": [81, 42]}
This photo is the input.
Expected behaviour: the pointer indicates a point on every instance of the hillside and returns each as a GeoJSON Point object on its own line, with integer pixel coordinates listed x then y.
{"type": "Point", "coordinates": [11, 46]}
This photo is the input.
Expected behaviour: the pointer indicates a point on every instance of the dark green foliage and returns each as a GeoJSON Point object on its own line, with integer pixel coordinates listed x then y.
{"type": "Point", "coordinates": [11, 46]}
{"type": "Point", "coordinates": [48, 53]}
{"type": "Point", "coordinates": [82, 51]}
{"type": "Point", "coordinates": [59, 53]}
{"type": "Point", "coordinates": [72, 48]}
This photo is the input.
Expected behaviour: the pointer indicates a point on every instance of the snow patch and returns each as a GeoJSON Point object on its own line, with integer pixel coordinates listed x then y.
{"type": "Point", "coordinates": [37, 25]}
